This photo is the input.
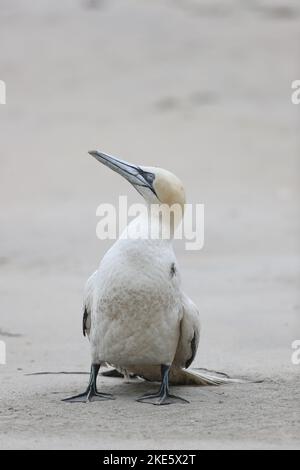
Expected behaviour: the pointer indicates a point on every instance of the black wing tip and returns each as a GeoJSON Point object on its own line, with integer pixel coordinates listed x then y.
{"type": "Point", "coordinates": [85, 315]}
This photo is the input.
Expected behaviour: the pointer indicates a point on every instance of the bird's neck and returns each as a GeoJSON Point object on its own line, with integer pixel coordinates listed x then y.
{"type": "Point", "coordinates": [156, 222]}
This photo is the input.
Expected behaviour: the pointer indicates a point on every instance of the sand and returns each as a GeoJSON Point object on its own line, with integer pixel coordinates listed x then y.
{"type": "Point", "coordinates": [201, 88]}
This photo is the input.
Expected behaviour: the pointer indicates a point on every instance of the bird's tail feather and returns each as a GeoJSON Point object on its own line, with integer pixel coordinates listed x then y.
{"type": "Point", "coordinates": [180, 376]}
{"type": "Point", "coordinates": [199, 377]}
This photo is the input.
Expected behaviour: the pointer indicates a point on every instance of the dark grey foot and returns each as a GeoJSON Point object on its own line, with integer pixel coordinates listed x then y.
{"type": "Point", "coordinates": [158, 399]}
{"type": "Point", "coordinates": [89, 396]}
{"type": "Point", "coordinates": [162, 397]}
{"type": "Point", "coordinates": [91, 393]}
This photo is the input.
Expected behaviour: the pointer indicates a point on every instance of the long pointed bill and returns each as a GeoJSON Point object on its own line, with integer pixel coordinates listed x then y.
{"type": "Point", "coordinates": [134, 174]}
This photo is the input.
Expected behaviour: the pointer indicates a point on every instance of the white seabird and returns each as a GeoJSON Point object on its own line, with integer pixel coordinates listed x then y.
{"type": "Point", "coordinates": [135, 313]}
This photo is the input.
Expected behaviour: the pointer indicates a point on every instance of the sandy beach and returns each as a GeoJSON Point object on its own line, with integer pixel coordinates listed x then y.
{"type": "Point", "coordinates": [202, 88]}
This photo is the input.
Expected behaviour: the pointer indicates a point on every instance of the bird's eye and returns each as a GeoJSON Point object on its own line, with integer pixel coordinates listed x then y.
{"type": "Point", "coordinates": [149, 177]}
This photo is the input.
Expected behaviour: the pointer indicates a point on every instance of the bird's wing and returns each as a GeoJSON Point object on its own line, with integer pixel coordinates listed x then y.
{"type": "Point", "coordinates": [87, 304]}
{"type": "Point", "coordinates": [189, 334]}
{"type": "Point", "coordinates": [185, 354]}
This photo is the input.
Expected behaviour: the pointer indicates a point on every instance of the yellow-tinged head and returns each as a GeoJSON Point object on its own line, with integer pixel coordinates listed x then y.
{"type": "Point", "coordinates": [156, 185]}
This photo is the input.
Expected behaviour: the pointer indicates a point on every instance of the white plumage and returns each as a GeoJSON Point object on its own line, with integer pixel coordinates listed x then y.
{"type": "Point", "coordinates": [138, 312]}
{"type": "Point", "coordinates": [135, 313]}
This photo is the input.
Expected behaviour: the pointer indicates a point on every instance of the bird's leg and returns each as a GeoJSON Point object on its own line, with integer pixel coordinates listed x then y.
{"type": "Point", "coordinates": [162, 397]}
{"type": "Point", "coordinates": [91, 393]}
{"type": "Point", "coordinates": [127, 376]}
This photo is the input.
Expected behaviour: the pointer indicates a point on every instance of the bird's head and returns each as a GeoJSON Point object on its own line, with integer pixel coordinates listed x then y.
{"type": "Point", "coordinates": [156, 185]}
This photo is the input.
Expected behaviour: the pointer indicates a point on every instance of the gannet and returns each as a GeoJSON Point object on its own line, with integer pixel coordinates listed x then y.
{"type": "Point", "coordinates": [135, 313]}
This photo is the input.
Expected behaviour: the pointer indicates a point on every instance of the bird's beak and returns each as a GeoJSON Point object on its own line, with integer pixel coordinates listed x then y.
{"type": "Point", "coordinates": [134, 174]}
